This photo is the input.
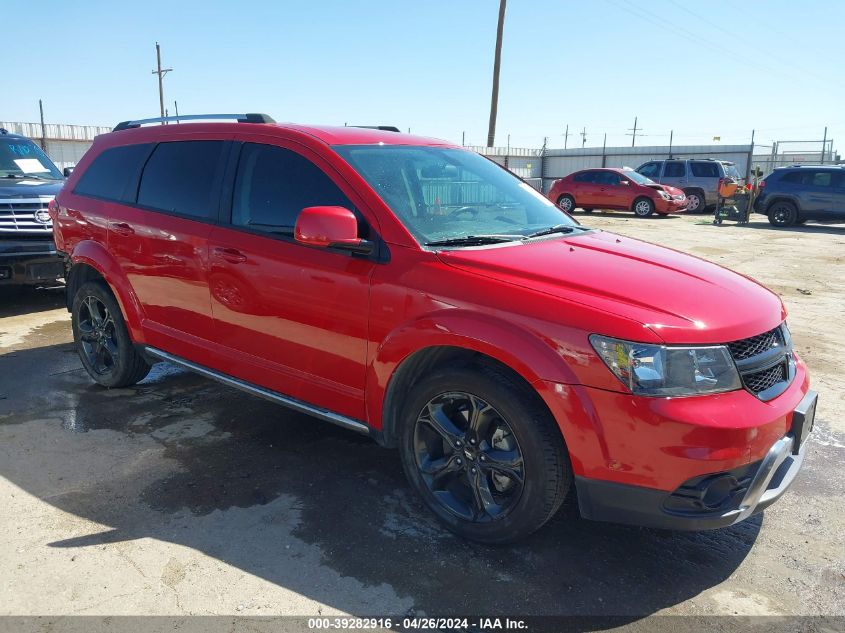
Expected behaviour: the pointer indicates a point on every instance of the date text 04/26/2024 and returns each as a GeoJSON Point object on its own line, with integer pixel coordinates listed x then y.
{"type": "Point", "coordinates": [417, 624]}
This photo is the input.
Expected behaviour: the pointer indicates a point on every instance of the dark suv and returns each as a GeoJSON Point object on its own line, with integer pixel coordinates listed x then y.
{"type": "Point", "coordinates": [28, 182]}
{"type": "Point", "coordinates": [793, 195]}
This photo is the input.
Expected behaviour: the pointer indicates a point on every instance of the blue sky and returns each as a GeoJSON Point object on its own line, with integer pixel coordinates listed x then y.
{"type": "Point", "coordinates": [718, 68]}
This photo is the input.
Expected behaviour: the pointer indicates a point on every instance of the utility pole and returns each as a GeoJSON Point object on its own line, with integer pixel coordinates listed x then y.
{"type": "Point", "coordinates": [566, 136]}
{"type": "Point", "coordinates": [44, 130]}
{"type": "Point", "coordinates": [824, 143]}
{"type": "Point", "coordinates": [671, 134]}
{"type": "Point", "coordinates": [497, 62]}
{"type": "Point", "coordinates": [583, 134]}
{"type": "Point", "coordinates": [176, 107]}
{"type": "Point", "coordinates": [463, 139]}
{"type": "Point", "coordinates": [161, 72]}
{"type": "Point", "coordinates": [634, 132]}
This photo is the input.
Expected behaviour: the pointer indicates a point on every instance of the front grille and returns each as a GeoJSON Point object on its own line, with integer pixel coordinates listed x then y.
{"type": "Point", "coordinates": [762, 380]}
{"type": "Point", "coordinates": [17, 216]}
{"type": "Point", "coordinates": [746, 348]}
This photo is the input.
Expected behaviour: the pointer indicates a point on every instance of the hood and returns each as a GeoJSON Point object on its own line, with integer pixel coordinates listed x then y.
{"type": "Point", "coordinates": [682, 299]}
{"type": "Point", "coordinates": [28, 188]}
{"type": "Point", "coordinates": [672, 191]}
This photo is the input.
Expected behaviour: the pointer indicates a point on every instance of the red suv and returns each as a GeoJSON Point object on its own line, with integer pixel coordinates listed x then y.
{"type": "Point", "coordinates": [414, 291]}
{"type": "Point", "coordinates": [616, 189]}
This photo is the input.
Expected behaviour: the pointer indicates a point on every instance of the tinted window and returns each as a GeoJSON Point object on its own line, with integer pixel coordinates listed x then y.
{"type": "Point", "coordinates": [109, 175]}
{"type": "Point", "coordinates": [808, 178]}
{"type": "Point", "coordinates": [585, 176]}
{"type": "Point", "coordinates": [674, 169]}
{"type": "Point", "coordinates": [821, 179]}
{"type": "Point", "coordinates": [274, 184]}
{"type": "Point", "coordinates": [180, 177]}
{"type": "Point", "coordinates": [650, 170]}
{"type": "Point", "coordinates": [704, 169]}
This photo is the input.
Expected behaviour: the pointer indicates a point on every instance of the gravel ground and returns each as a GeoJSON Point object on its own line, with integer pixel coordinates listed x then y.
{"type": "Point", "coordinates": [180, 496]}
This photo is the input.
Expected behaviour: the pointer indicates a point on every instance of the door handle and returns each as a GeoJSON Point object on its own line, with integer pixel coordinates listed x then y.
{"type": "Point", "coordinates": [122, 228]}
{"type": "Point", "coordinates": [231, 255]}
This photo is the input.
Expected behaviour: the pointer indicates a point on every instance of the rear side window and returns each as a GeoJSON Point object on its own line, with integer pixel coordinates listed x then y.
{"type": "Point", "coordinates": [274, 184]}
{"type": "Point", "coordinates": [586, 176]}
{"type": "Point", "coordinates": [650, 170]}
{"type": "Point", "coordinates": [182, 177]}
{"type": "Point", "coordinates": [110, 174]}
{"type": "Point", "coordinates": [809, 178]}
{"type": "Point", "coordinates": [674, 168]}
{"type": "Point", "coordinates": [704, 169]}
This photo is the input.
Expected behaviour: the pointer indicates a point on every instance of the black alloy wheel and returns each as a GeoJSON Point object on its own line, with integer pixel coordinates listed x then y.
{"type": "Point", "coordinates": [97, 335]}
{"type": "Point", "coordinates": [468, 457]}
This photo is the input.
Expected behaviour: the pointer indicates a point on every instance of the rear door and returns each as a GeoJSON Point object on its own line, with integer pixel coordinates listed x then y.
{"type": "Point", "coordinates": [290, 317]}
{"type": "Point", "coordinates": [161, 242]}
{"type": "Point", "coordinates": [585, 189]}
{"type": "Point", "coordinates": [704, 175]}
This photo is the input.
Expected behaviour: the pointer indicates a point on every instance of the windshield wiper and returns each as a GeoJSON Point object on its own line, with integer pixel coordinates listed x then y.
{"type": "Point", "coordinates": [473, 240]}
{"type": "Point", "coordinates": [558, 228]}
{"type": "Point", "coordinates": [27, 176]}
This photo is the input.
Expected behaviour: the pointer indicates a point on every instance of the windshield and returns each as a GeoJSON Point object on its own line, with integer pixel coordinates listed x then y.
{"type": "Point", "coordinates": [638, 178]}
{"type": "Point", "coordinates": [20, 158]}
{"type": "Point", "coordinates": [449, 194]}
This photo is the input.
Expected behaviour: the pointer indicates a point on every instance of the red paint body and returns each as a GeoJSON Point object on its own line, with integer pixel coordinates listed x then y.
{"type": "Point", "coordinates": [331, 329]}
{"type": "Point", "coordinates": [590, 195]}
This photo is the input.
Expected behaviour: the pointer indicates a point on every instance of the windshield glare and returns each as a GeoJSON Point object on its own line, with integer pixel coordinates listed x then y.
{"type": "Point", "coordinates": [22, 157]}
{"type": "Point", "coordinates": [638, 178]}
{"type": "Point", "coordinates": [442, 193]}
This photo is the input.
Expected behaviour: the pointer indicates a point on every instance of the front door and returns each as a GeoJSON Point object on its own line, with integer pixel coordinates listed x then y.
{"type": "Point", "coordinates": [291, 318]}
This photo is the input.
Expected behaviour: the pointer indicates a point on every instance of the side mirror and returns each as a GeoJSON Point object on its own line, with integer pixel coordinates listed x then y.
{"type": "Point", "coordinates": [330, 227]}
{"type": "Point", "coordinates": [67, 171]}
{"type": "Point", "coordinates": [625, 182]}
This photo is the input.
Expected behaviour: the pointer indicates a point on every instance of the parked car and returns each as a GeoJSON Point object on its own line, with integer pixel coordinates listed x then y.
{"type": "Point", "coordinates": [416, 292]}
{"type": "Point", "coordinates": [616, 189]}
{"type": "Point", "coordinates": [28, 182]}
{"type": "Point", "coordinates": [793, 195]}
{"type": "Point", "coordinates": [699, 178]}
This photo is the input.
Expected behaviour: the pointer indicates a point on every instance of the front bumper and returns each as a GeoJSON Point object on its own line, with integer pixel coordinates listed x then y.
{"type": "Point", "coordinates": [29, 262]}
{"type": "Point", "coordinates": [740, 493]}
{"type": "Point", "coordinates": [670, 206]}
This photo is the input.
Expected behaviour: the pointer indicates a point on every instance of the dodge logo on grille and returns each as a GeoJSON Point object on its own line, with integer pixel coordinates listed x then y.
{"type": "Point", "coordinates": [42, 216]}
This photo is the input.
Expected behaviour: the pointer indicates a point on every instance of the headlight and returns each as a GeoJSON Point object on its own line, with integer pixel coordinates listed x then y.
{"type": "Point", "coordinates": [664, 195]}
{"type": "Point", "coordinates": [661, 370]}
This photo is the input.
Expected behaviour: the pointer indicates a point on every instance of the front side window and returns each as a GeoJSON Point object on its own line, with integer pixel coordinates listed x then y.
{"type": "Point", "coordinates": [274, 184]}
{"type": "Point", "coordinates": [21, 158]}
{"type": "Point", "coordinates": [109, 174]}
{"type": "Point", "coordinates": [650, 170]}
{"type": "Point", "coordinates": [181, 177]}
{"type": "Point", "coordinates": [607, 178]}
{"type": "Point", "coordinates": [451, 194]}
{"type": "Point", "coordinates": [674, 169]}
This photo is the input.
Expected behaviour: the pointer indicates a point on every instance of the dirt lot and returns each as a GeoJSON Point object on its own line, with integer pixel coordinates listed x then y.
{"type": "Point", "coordinates": [180, 496]}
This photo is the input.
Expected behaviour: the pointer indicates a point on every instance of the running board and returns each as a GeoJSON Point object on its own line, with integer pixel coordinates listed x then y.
{"type": "Point", "coordinates": [273, 396]}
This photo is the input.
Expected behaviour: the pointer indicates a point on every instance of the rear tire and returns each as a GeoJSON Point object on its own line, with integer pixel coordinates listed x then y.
{"type": "Point", "coordinates": [782, 214]}
{"type": "Point", "coordinates": [484, 453]}
{"type": "Point", "coordinates": [643, 207]}
{"type": "Point", "coordinates": [102, 340]}
{"type": "Point", "coordinates": [566, 203]}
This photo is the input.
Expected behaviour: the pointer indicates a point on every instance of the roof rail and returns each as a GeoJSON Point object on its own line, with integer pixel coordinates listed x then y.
{"type": "Point", "coordinates": [250, 117]}
{"type": "Point", "coordinates": [384, 128]}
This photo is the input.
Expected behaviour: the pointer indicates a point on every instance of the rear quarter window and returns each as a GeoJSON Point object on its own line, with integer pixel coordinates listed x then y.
{"type": "Point", "coordinates": [110, 174]}
{"type": "Point", "coordinates": [704, 169]}
{"type": "Point", "coordinates": [183, 177]}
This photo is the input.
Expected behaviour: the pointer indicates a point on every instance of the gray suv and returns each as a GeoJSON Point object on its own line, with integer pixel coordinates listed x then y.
{"type": "Point", "coordinates": [699, 178]}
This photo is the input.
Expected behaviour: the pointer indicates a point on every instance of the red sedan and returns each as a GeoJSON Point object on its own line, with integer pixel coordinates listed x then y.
{"type": "Point", "coordinates": [616, 189]}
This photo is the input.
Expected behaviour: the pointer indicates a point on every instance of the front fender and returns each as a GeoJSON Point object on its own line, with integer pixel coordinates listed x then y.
{"type": "Point", "coordinates": [523, 351]}
{"type": "Point", "coordinates": [100, 259]}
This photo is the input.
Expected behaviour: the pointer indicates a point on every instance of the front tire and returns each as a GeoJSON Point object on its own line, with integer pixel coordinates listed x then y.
{"type": "Point", "coordinates": [566, 203]}
{"type": "Point", "coordinates": [783, 214]}
{"type": "Point", "coordinates": [483, 453]}
{"type": "Point", "coordinates": [696, 201]}
{"type": "Point", "coordinates": [102, 340]}
{"type": "Point", "coordinates": [643, 207]}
